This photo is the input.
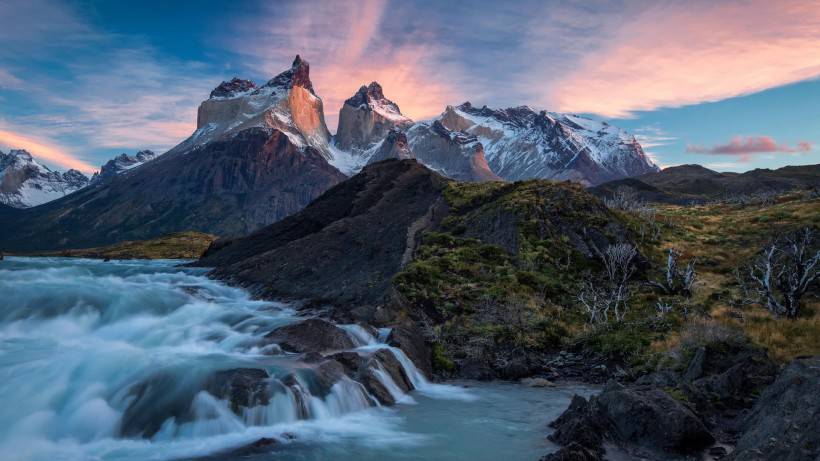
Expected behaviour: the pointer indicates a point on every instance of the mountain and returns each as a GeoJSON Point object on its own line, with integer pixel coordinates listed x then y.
{"type": "Point", "coordinates": [686, 183]}
{"type": "Point", "coordinates": [479, 144]}
{"type": "Point", "coordinates": [520, 143]}
{"type": "Point", "coordinates": [121, 163]}
{"type": "Point", "coordinates": [258, 154]}
{"type": "Point", "coordinates": [366, 118]}
{"type": "Point", "coordinates": [25, 183]}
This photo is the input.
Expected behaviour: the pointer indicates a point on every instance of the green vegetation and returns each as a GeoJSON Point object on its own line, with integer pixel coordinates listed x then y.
{"type": "Point", "coordinates": [500, 277]}
{"type": "Point", "coordinates": [181, 245]}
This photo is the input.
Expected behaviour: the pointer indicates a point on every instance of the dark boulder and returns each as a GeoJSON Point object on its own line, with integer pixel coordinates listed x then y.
{"type": "Point", "coordinates": [653, 419]}
{"type": "Point", "coordinates": [727, 376]}
{"type": "Point", "coordinates": [312, 335]}
{"type": "Point", "coordinates": [410, 339]}
{"type": "Point", "coordinates": [243, 387]}
{"type": "Point", "coordinates": [573, 452]}
{"type": "Point", "coordinates": [785, 422]}
{"type": "Point", "coordinates": [639, 420]}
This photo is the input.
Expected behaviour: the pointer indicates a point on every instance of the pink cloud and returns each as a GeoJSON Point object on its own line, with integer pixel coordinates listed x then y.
{"type": "Point", "coordinates": [671, 55]}
{"type": "Point", "coordinates": [346, 49]}
{"type": "Point", "coordinates": [44, 150]}
{"type": "Point", "coordinates": [746, 146]}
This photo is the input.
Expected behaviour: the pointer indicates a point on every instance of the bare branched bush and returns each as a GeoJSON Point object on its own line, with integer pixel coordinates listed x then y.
{"type": "Point", "coordinates": [783, 272]}
{"type": "Point", "coordinates": [608, 294]}
{"type": "Point", "coordinates": [677, 280]}
{"type": "Point", "coordinates": [700, 332]}
{"type": "Point", "coordinates": [624, 198]}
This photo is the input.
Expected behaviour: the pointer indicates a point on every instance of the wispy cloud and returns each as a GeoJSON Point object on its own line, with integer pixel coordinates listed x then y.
{"type": "Point", "coordinates": [111, 91]}
{"type": "Point", "coordinates": [44, 150]}
{"type": "Point", "coordinates": [674, 54]}
{"type": "Point", "coordinates": [347, 47]}
{"type": "Point", "coordinates": [746, 146]}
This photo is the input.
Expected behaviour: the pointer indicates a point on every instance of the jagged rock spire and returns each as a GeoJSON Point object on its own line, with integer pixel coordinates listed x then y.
{"type": "Point", "coordinates": [297, 75]}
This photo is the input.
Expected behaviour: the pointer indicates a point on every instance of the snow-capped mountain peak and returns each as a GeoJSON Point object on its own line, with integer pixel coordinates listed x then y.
{"type": "Point", "coordinates": [521, 143]}
{"type": "Point", "coordinates": [287, 103]}
{"type": "Point", "coordinates": [122, 163]}
{"type": "Point", "coordinates": [366, 118]}
{"type": "Point", "coordinates": [25, 183]}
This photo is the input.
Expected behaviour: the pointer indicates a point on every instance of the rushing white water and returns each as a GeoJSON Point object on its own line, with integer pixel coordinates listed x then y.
{"type": "Point", "coordinates": [109, 361]}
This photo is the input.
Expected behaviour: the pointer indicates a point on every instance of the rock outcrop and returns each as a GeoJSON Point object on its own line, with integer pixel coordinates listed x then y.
{"type": "Point", "coordinates": [784, 424]}
{"type": "Point", "coordinates": [455, 154]}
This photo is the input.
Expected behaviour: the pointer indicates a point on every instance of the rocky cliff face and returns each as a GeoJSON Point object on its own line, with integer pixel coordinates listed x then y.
{"type": "Point", "coordinates": [521, 143]}
{"type": "Point", "coordinates": [455, 154]}
{"type": "Point", "coordinates": [25, 183]}
{"type": "Point", "coordinates": [258, 155]}
{"type": "Point", "coordinates": [366, 118]}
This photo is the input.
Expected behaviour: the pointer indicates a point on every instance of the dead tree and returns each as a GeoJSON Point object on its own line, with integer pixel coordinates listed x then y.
{"type": "Point", "coordinates": [610, 292]}
{"type": "Point", "coordinates": [784, 271]}
{"type": "Point", "coordinates": [677, 281]}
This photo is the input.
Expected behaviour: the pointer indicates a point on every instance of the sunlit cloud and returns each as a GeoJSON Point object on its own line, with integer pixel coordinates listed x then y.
{"type": "Point", "coordinates": [43, 150]}
{"type": "Point", "coordinates": [746, 146]}
{"type": "Point", "coordinates": [674, 54]}
{"type": "Point", "coordinates": [346, 48]}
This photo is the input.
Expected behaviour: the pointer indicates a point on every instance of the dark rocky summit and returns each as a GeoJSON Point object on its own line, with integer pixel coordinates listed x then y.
{"type": "Point", "coordinates": [232, 88]}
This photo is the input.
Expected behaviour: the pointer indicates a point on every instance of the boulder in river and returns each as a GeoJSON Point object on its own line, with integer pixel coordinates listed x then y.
{"type": "Point", "coordinates": [641, 420]}
{"type": "Point", "coordinates": [243, 387]}
{"type": "Point", "coordinates": [312, 335]}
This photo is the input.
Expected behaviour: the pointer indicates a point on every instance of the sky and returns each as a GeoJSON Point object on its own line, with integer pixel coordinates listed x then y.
{"type": "Point", "coordinates": [732, 85]}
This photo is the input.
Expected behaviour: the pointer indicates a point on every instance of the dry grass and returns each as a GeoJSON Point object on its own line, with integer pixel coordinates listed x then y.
{"type": "Point", "coordinates": [723, 237]}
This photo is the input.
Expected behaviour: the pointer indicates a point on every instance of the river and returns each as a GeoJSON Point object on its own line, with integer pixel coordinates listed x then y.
{"type": "Point", "coordinates": [78, 336]}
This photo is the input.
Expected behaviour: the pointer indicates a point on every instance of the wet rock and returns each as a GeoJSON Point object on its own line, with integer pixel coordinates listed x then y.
{"type": "Point", "coordinates": [243, 387]}
{"type": "Point", "coordinates": [573, 452]}
{"type": "Point", "coordinates": [652, 418]}
{"type": "Point", "coordinates": [312, 335]}
{"type": "Point", "coordinates": [263, 445]}
{"type": "Point", "coordinates": [785, 422]}
{"type": "Point", "coordinates": [537, 382]}
{"type": "Point", "coordinates": [410, 339]}
{"type": "Point", "coordinates": [637, 419]}
{"type": "Point", "coordinates": [364, 370]}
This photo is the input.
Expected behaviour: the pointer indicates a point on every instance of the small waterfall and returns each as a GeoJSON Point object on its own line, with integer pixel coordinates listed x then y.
{"type": "Point", "coordinates": [358, 334]}
{"type": "Point", "coordinates": [387, 381]}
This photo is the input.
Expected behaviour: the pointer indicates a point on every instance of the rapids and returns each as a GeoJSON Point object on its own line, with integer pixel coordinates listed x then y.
{"type": "Point", "coordinates": [78, 336]}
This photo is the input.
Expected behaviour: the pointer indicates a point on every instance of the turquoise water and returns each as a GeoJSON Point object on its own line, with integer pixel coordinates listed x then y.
{"type": "Point", "coordinates": [77, 336]}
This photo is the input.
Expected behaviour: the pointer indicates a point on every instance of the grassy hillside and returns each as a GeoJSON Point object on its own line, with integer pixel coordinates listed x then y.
{"type": "Point", "coordinates": [181, 245]}
{"type": "Point", "coordinates": [497, 284]}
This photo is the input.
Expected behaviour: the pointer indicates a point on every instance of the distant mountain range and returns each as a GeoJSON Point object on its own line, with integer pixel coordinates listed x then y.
{"type": "Point", "coordinates": [263, 152]}
{"type": "Point", "coordinates": [694, 183]}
